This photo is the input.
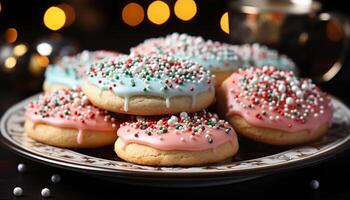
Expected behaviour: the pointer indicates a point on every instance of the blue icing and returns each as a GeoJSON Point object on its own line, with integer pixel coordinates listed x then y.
{"type": "Point", "coordinates": [57, 75]}
{"type": "Point", "coordinates": [149, 76]}
{"type": "Point", "coordinates": [69, 71]}
{"type": "Point", "coordinates": [212, 55]}
{"type": "Point", "coordinates": [260, 55]}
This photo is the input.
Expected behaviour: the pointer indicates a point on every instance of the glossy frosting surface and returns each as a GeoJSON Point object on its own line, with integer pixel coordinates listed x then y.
{"type": "Point", "coordinates": [159, 76]}
{"type": "Point", "coordinates": [70, 70]}
{"type": "Point", "coordinates": [213, 55]}
{"type": "Point", "coordinates": [189, 132]}
{"type": "Point", "coordinates": [70, 108]}
{"type": "Point", "coordinates": [272, 98]}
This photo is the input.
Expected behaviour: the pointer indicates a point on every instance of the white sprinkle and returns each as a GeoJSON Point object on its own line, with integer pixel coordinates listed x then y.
{"type": "Point", "coordinates": [45, 192]}
{"type": "Point", "coordinates": [183, 115]}
{"type": "Point", "coordinates": [21, 167]}
{"type": "Point", "coordinates": [55, 178]}
{"type": "Point", "coordinates": [294, 88]}
{"type": "Point", "coordinates": [299, 93]}
{"type": "Point", "coordinates": [282, 88]}
{"type": "Point", "coordinates": [314, 184]}
{"type": "Point", "coordinates": [304, 86]}
{"type": "Point", "coordinates": [289, 100]}
{"type": "Point", "coordinates": [18, 191]}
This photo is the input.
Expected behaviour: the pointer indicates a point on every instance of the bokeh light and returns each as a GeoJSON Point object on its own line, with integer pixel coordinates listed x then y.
{"type": "Point", "coordinates": [224, 24]}
{"type": "Point", "coordinates": [11, 35]}
{"type": "Point", "coordinates": [69, 13]}
{"type": "Point", "coordinates": [133, 14]}
{"type": "Point", "coordinates": [158, 12]}
{"type": "Point", "coordinates": [38, 63]}
{"type": "Point", "coordinates": [10, 62]}
{"type": "Point", "coordinates": [0, 7]}
{"type": "Point", "coordinates": [185, 9]}
{"type": "Point", "coordinates": [44, 49]}
{"type": "Point", "coordinates": [20, 50]}
{"type": "Point", "coordinates": [54, 18]}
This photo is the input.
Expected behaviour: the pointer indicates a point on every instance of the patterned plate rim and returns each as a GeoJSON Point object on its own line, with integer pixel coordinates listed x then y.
{"type": "Point", "coordinates": [211, 170]}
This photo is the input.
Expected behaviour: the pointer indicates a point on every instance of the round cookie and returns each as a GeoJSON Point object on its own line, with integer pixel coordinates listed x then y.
{"type": "Point", "coordinates": [68, 72]}
{"type": "Point", "coordinates": [272, 106]}
{"type": "Point", "coordinates": [178, 140]}
{"type": "Point", "coordinates": [149, 85]}
{"type": "Point", "coordinates": [220, 58]}
{"type": "Point", "coordinates": [260, 55]}
{"type": "Point", "coordinates": [66, 118]}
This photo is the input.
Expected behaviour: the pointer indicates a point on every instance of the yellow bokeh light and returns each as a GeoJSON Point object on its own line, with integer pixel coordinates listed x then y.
{"type": "Point", "coordinates": [0, 7]}
{"type": "Point", "coordinates": [224, 24]}
{"type": "Point", "coordinates": [11, 35]}
{"type": "Point", "coordinates": [158, 12]}
{"type": "Point", "coordinates": [69, 13]}
{"type": "Point", "coordinates": [10, 62]}
{"type": "Point", "coordinates": [54, 18]}
{"type": "Point", "coordinates": [185, 9]}
{"type": "Point", "coordinates": [20, 50]}
{"type": "Point", "coordinates": [133, 14]}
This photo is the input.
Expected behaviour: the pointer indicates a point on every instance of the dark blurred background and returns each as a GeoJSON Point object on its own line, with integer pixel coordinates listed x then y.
{"type": "Point", "coordinates": [34, 33]}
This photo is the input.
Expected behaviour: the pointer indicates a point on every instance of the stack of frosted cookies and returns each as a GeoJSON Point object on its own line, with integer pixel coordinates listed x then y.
{"type": "Point", "coordinates": [152, 103]}
{"type": "Point", "coordinates": [63, 116]}
{"type": "Point", "coordinates": [165, 98]}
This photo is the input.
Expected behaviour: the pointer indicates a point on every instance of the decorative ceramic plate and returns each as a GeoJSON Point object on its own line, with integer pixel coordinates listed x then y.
{"type": "Point", "coordinates": [253, 160]}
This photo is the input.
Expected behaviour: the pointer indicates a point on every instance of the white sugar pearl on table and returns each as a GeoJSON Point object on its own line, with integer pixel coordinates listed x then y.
{"type": "Point", "coordinates": [21, 167]}
{"type": "Point", "coordinates": [55, 178]}
{"type": "Point", "coordinates": [314, 184]}
{"type": "Point", "coordinates": [18, 191]}
{"type": "Point", "coordinates": [45, 192]}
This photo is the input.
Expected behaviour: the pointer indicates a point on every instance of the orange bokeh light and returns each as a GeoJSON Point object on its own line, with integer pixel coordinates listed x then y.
{"type": "Point", "coordinates": [133, 14]}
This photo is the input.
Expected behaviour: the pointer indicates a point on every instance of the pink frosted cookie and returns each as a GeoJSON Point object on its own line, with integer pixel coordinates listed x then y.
{"type": "Point", "coordinates": [274, 106]}
{"type": "Point", "coordinates": [66, 118]}
{"type": "Point", "coordinates": [184, 139]}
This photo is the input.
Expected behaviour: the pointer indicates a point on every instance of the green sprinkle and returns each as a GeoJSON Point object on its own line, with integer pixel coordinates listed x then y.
{"type": "Point", "coordinates": [178, 126]}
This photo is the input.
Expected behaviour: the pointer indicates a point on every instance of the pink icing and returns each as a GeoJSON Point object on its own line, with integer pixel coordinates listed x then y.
{"type": "Point", "coordinates": [175, 139]}
{"type": "Point", "coordinates": [52, 109]}
{"type": "Point", "coordinates": [274, 118]}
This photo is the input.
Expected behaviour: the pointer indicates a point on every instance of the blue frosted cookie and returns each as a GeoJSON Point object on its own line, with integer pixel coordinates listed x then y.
{"type": "Point", "coordinates": [149, 85]}
{"type": "Point", "coordinates": [220, 58]}
{"type": "Point", "coordinates": [68, 72]}
{"type": "Point", "coordinates": [260, 55]}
